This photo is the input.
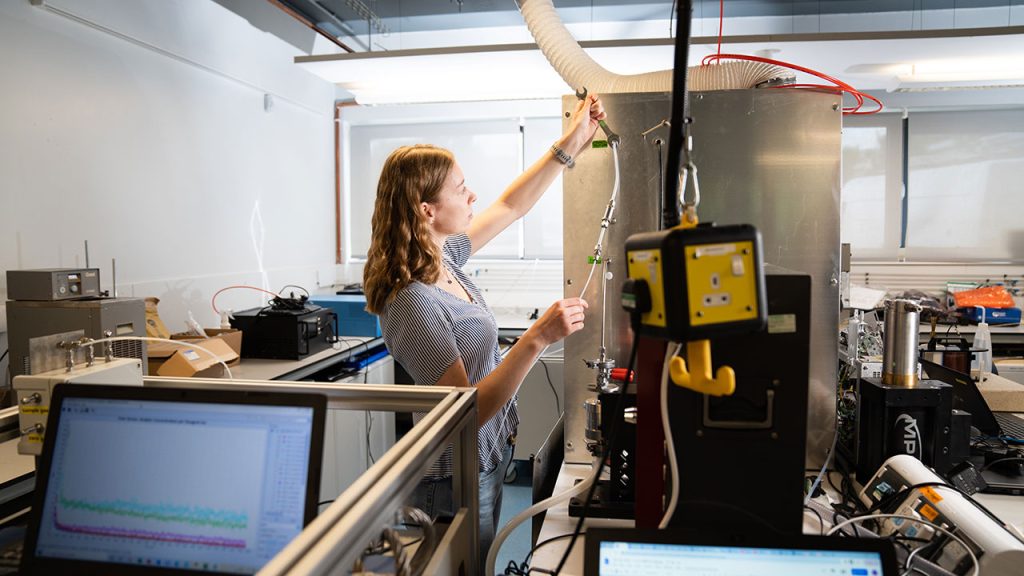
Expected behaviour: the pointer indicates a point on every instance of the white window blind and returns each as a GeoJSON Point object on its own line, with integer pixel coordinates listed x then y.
{"type": "Point", "coordinates": [487, 151]}
{"type": "Point", "coordinates": [966, 184]}
{"type": "Point", "coordinates": [872, 185]}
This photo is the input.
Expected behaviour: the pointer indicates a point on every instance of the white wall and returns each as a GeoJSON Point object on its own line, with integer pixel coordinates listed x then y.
{"type": "Point", "coordinates": [140, 126]}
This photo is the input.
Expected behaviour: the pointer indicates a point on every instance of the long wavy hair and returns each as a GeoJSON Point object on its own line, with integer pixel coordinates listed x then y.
{"type": "Point", "coordinates": [402, 249]}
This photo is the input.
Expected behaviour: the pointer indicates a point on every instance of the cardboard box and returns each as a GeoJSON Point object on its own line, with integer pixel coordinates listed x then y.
{"type": "Point", "coordinates": [225, 343]}
{"type": "Point", "coordinates": [188, 361]}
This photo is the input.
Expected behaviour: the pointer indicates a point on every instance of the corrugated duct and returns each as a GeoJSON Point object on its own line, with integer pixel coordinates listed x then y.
{"type": "Point", "coordinates": [579, 70]}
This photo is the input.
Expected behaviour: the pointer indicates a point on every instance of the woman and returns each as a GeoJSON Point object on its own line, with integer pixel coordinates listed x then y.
{"type": "Point", "coordinates": [434, 319]}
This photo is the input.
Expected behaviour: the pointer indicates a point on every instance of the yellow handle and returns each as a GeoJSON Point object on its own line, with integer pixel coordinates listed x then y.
{"type": "Point", "coordinates": [699, 378]}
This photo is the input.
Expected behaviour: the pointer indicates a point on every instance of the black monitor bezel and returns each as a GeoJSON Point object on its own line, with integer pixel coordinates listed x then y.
{"type": "Point", "coordinates": [32, 564]}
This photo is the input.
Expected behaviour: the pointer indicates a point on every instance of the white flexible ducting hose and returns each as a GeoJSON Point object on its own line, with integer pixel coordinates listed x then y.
{"type": "Point", "coordinates": [573, 64]}
{"type": "Point", "coordinates": [492, 554]}
{"type": "Point", "coordinates": [580, 71]}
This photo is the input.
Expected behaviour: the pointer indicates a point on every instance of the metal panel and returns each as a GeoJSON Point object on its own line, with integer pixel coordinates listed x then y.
{"type": "Point", "coordinates": [766, 157]}
{"type": "Point", "coordinates": [772, 158]}
{"type": "Point", "coordinates": [586, 189]}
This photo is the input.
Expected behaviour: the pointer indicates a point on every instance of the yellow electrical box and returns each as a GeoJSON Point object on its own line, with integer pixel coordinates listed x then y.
{"type": "Point", "coordinates": [703, 282]}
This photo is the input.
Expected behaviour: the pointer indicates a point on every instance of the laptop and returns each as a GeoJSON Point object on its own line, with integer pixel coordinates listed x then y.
{"type": "Point", "coordinates": [137, 480]}
{"type": "Point", "coordinates": [967, 396]}
{"type": "Point", "coordinates": [628, 552]}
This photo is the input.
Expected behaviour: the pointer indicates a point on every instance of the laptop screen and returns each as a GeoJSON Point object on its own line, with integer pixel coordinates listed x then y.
{"type": "Point", "coordinates": [626, 552]}
{"type": "Point", "coordinates": [636, 559]}
{"type": "Point", "coordinates": [209, 481]}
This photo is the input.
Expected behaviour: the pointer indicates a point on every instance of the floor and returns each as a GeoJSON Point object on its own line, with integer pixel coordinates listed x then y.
{"type": "Point", "coordinates": [517, 496]}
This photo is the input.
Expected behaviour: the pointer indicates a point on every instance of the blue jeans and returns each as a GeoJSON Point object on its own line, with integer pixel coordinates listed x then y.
{"type": "Point", "coordinates": [435, 498]}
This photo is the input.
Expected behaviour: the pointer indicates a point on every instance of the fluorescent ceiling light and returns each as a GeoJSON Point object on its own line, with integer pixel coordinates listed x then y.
{"type": "Point", "coordinates": [509, 72]}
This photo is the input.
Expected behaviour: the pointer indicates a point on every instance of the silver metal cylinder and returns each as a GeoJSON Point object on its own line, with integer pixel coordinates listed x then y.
{"type": "Point", "coordinates": [900, 341]}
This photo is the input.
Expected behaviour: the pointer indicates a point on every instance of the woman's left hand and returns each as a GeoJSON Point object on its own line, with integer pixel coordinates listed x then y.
{"type": "Point", "coordinates": [583, 124]}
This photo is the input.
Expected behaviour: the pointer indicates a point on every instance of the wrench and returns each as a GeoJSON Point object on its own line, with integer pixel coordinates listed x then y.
{"type": "Point", "coordinates": [612, 137]}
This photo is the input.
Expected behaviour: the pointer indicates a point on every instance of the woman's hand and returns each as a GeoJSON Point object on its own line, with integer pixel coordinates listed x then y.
{"type": "Point", "coordinates": [583, 125]}
{"type": "Point", "coordinates": [561, 319]}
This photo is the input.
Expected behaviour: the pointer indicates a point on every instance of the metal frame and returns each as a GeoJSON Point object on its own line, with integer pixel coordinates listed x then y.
{"type": "Point", "coordinates": [338, 535]}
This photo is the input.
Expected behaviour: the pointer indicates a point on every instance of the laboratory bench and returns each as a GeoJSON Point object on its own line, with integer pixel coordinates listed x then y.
{"type": "Point", "coordinates": [356, 436]}
{"type": "Point", "coordinates": [557, 522]}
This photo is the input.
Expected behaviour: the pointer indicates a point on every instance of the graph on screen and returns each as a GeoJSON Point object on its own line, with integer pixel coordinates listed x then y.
{"type": "Point", "coordinates": [194, 490]}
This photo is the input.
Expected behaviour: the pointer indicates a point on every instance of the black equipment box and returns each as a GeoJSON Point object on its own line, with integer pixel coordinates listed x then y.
{"type": "Point", "coordinates": [720, 441]}
{"type": "Point", "coordinates": [53, 284]}
{"type": "Point", "coordinates": [284, 333]}
{"type": "Point", "coordinates": [895, 420]}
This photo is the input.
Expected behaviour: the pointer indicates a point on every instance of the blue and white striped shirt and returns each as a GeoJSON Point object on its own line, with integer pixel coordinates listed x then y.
{"type": "Point", "coordinates": [427, 329]}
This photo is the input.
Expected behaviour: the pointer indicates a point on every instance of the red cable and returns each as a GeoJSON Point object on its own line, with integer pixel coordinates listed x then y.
{"type": "Point", "coordinates": [843, 86]}
{"type": "Point", "coordinates": [213, 300]}
{"type": "Point", "coordinates": [721, 16]}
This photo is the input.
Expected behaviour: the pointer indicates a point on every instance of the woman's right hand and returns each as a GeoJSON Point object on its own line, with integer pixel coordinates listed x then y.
{"type": "Point", "coordinates": [561, 319]}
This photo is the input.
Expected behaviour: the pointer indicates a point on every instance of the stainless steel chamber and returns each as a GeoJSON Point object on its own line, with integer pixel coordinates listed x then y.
{"type": "Point", "coordinates": [766, 157]}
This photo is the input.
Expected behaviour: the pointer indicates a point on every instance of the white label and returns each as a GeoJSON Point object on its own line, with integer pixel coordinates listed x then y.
{"type": "Point", "coordinates": [782, 323]}
{"type": "Point", "coordinates": [716, 250]}
{"type": "Point", "coordinates": [643, 256]}
{"type": "Point", "coordinates": [190, 355]}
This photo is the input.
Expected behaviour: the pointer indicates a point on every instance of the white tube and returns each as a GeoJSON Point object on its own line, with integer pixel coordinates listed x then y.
{"type": "Point", "coordinates": [492, 554]}
{"type": "Point", "coordinates": [673, 463]}
{"type": "Point", "coordinates": [573, 64]}
{"type": "Point", "coordinates": [183, 343]}
{"type": "Point", "coordinates": [599, 247]}
{"type": "Point", "coordinates": [579, 70]}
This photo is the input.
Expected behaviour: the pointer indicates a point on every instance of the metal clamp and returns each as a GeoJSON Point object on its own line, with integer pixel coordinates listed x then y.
{"type": "Point", "coordinates": [33, 429]}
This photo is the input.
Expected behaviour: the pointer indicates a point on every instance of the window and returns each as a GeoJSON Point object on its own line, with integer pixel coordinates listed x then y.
{"type": "Point", "coordinates": [491, 151]}
{"type": "Point", "coordinates": [966, 193]}
{"type": "Point", "coordinates": [872, 185]}
{"type": "Point", "coordinates": [964, 200]}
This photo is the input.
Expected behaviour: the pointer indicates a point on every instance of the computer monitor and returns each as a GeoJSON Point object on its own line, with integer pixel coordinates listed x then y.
{"type": "Point", "coordinates": [139, 480]}
{"type": "Point", "coordinates": [624, 552]}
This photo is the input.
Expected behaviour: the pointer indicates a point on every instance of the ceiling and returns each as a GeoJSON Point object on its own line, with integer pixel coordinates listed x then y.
{"type": "Point", "coordinates": [946, 49]}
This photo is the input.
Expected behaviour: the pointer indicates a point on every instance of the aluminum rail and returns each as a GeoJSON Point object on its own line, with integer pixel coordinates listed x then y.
{"type": "Point", "coordinates": [335, 538]}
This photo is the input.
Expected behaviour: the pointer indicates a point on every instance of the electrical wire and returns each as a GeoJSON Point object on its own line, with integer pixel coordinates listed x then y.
{"type": "Point", "coordinates": [666, 426]}
{"type": "Point", "coordinates": [831, 451]}
{"type": "Point", "coordinates": [994, 462]}
{"type": "Point", "coordinates": [554, 500]}
{"type": "Point", "coordinates": [213, 299]}
{"type": "Point", "coordinates": [853, 521]}
{"type": "Point", "coordinates": [837, 85]}
{"type": "Point", "coordinates": [721, 19]}
{"type": "Point", "coordinates": [551, 384]}
{"type": "Point", "coordinates": [182, 343]}
{"type": "Point", "coordinates": [281, 291]}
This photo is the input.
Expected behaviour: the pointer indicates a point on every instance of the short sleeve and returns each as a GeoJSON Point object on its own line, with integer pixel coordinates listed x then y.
{"type": "Point", "coordinates": [458, 248]}
{"type": "Point", "coordinates": [420, 335]}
